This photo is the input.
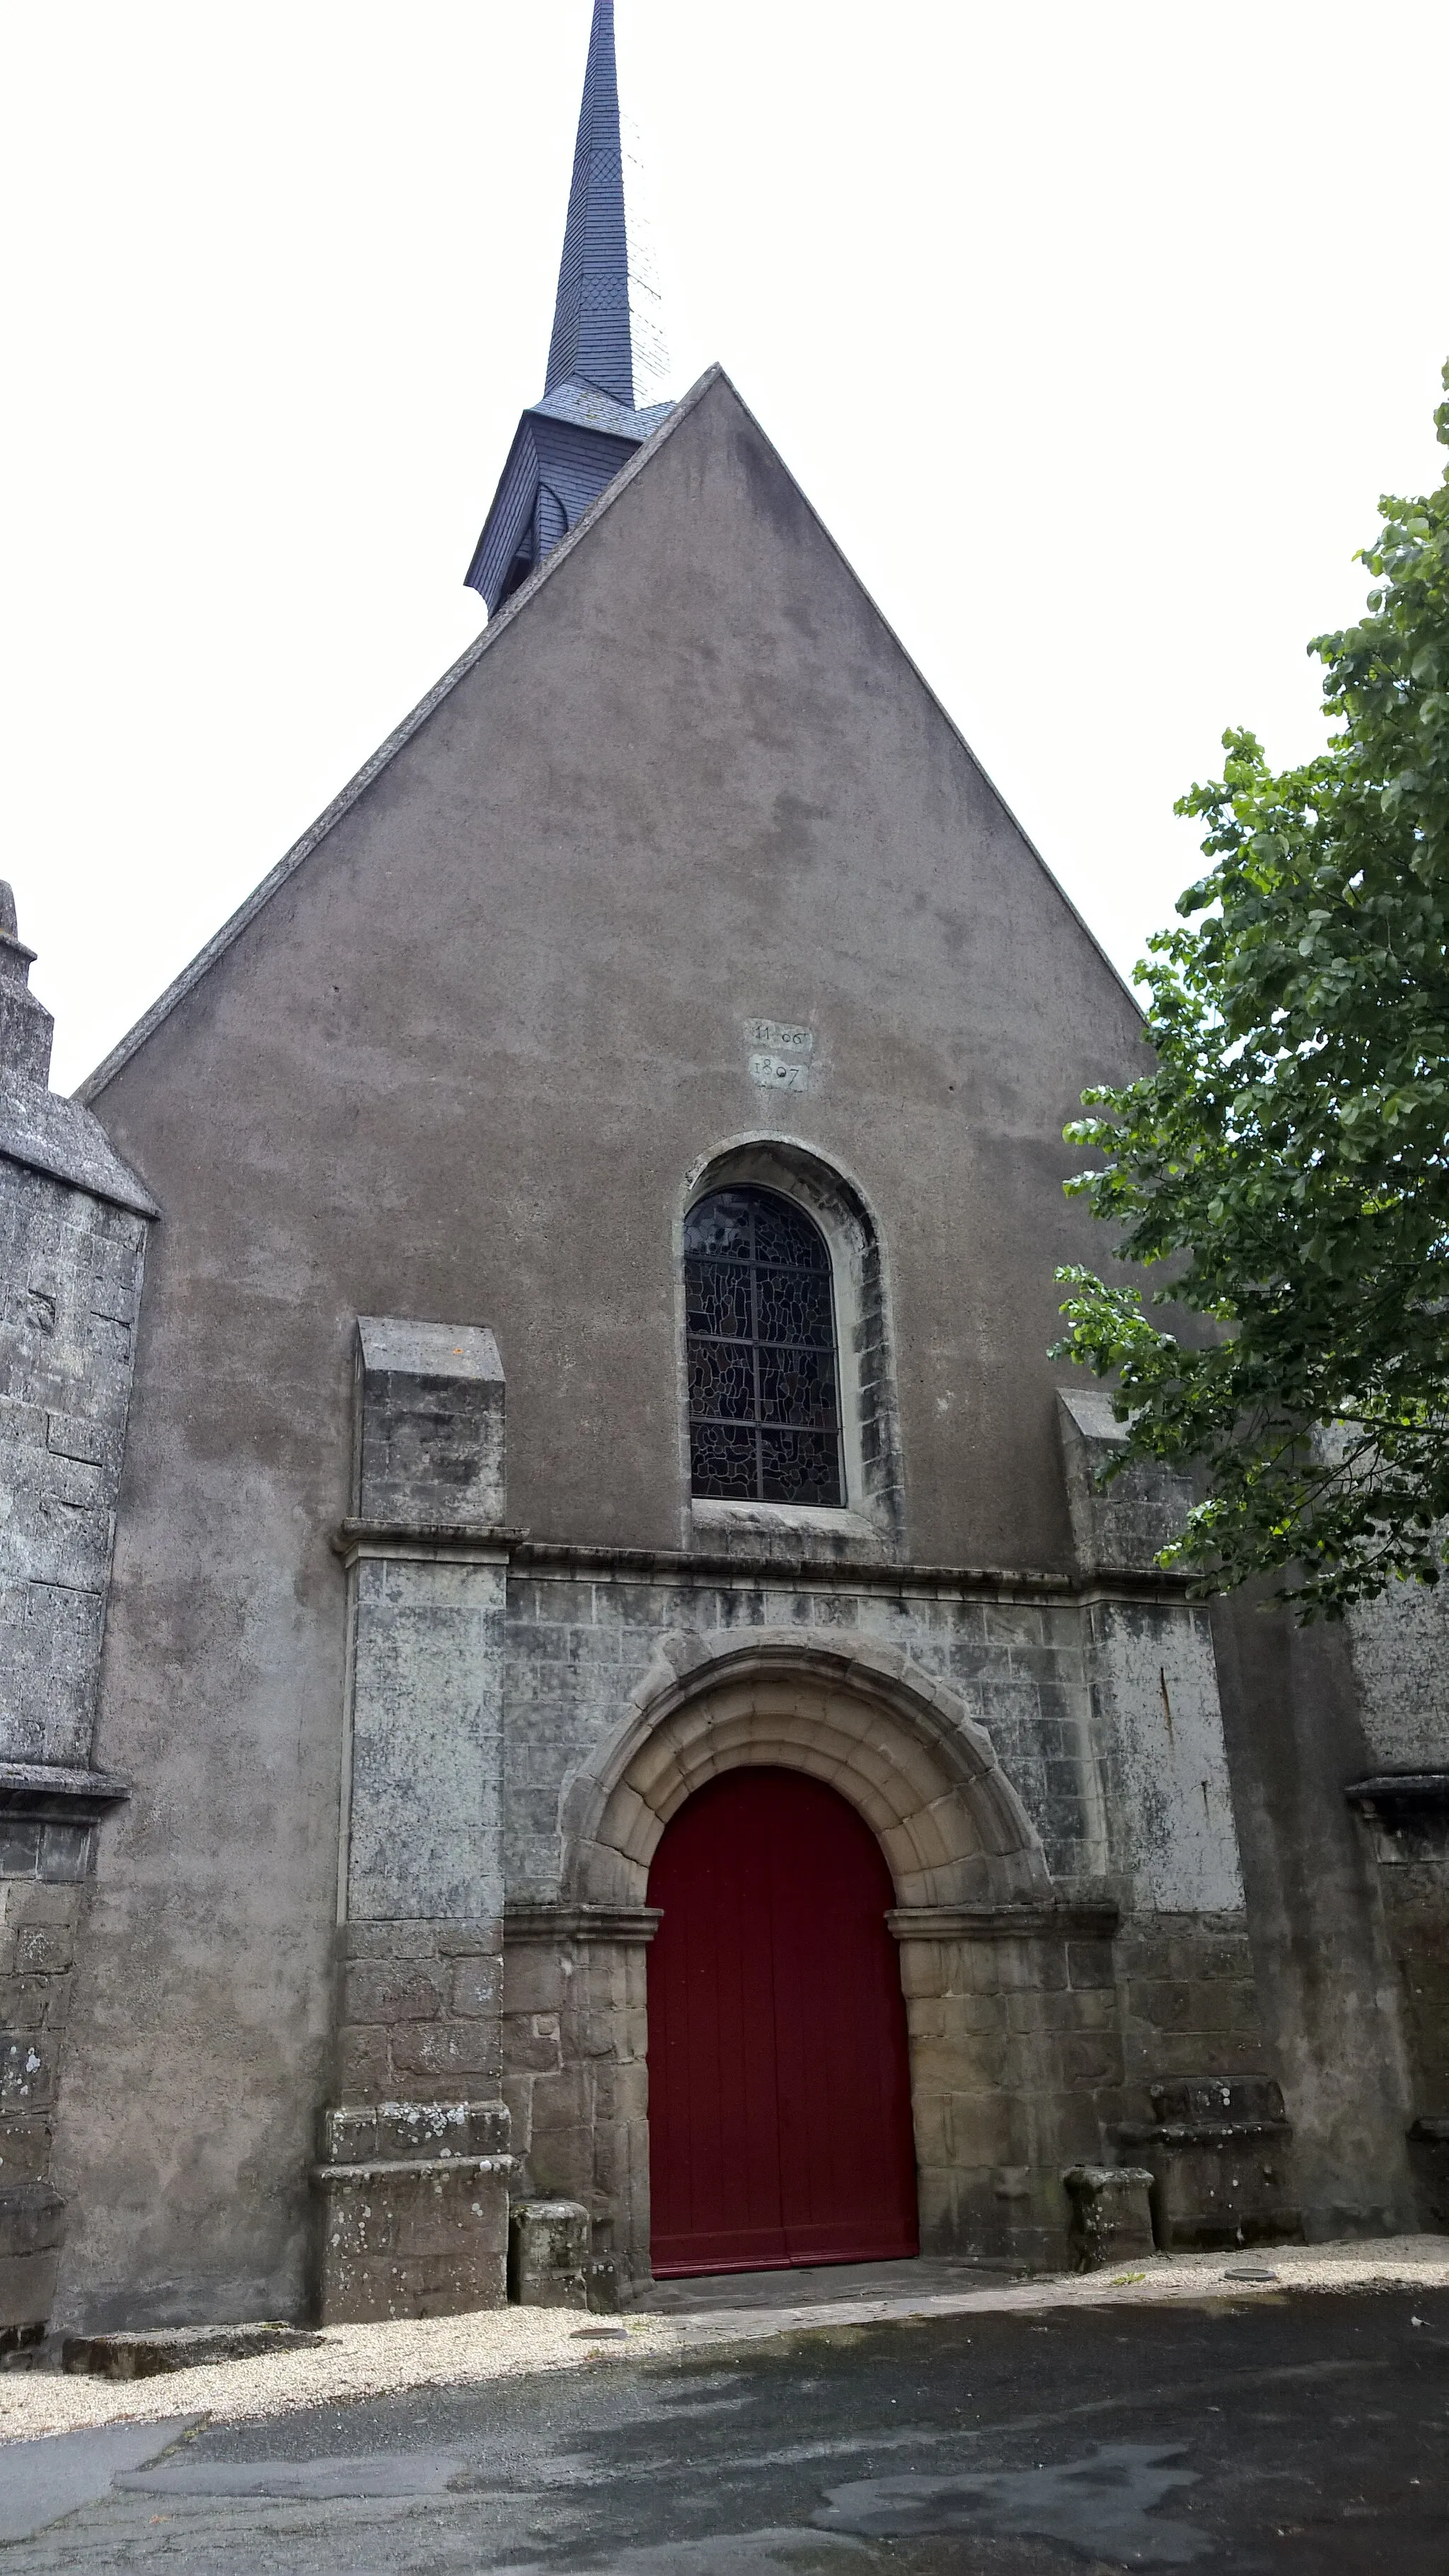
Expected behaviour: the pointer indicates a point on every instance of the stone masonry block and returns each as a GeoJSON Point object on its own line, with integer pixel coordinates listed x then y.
{"type": "Point", "coordinates": [27, 2003]}
{"type": "Point", "coordinates": [1090, 1963]}
{"type": "Point", "coordinates": [1091, 2059]}
{"type": "Point", "coordinates": [27, 2289]}
{"type": "Point", "coordinates": [1030, 1966]}
{"type": "Point", "coordinates": [364, 2063]}
{"type": "Point", "coordinates": [972, 2016]}
{"type": "Point", "coordinates": [562, 2101]}
{"type": "Point", "coordinates": [411, 2240]}
{"type": "Point", "coordinates": [476, 1986]}
{"type": "Point", "coordinates": [25, 2147]}
{"type": "Point", "coordinates": [377, 1990]}
{"type": "Point", "coordinates": [1167, 2007]}
{"type": "Point", "coordinates": [447, 2052]}
{"type": "Point", "coordinates": [481, 1939]}
{"type": "Point", "coordinates": [431, 1423]}
{"type": "Point", "coordinates": [33, 1903]}
{"type": "Point", "coordinates": [531, 2044]}
{"type": "Point", "coordinates": [394, 1941]}
{"type": "Point", "coordinates": [533, 1978]}
{"type": "Point", "coordinates": [27, 2072]}
{"type": "Point", "coordinates": [1111, 2222]}
{"type": "Point", "coordinates": [45, 1949]}
{"type": "Point", "coordinates": [548, 2254]}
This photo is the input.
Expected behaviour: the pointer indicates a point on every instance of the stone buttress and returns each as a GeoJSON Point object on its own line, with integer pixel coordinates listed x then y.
{"type": "Point", "coordinates": [413, 2178]}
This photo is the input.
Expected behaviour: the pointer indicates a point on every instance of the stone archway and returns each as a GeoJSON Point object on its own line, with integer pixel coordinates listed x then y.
{"type": "Point", "coordinates": [898, 1744]}
{"type": "Point", "coordinates": [1015, 2058]}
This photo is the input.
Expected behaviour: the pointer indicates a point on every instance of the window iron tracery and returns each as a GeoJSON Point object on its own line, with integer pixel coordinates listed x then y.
{"type": "Point", "coordinates": [764, 1388]}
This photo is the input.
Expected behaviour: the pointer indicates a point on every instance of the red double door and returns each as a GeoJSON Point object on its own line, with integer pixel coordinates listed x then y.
{"type": "Point", "coordinates": [779, 2087]}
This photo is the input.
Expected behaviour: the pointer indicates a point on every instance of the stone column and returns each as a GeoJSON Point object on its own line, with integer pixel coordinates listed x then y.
{"type": "Point", "coordinates": [576, 2074]}
{"type": "Point", "coordinates": [413, 2181]}
{"type": "Point", "coordinates": [1016, 2068]}
{"type": "Point", "coordinates": [73, 1226]}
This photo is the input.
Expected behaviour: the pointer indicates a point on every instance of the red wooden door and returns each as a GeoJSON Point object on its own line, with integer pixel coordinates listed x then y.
{"type": "Point", "coordinates": [779, 2087]}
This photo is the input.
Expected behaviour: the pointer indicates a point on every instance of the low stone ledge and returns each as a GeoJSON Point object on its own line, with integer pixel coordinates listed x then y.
{"type": "Point", "coordinates": [463, 1542]}
{"type": "Point", "coordinates": [889, 1575]}
{"type": "Point", "coordinates": [1395, 1793]}
{"type": "Point", "coordinates": [387, 2169]}
{"type": "Point", "coordinates": [369, 2133]}
{"type": "Point", "coordinates": [1220, 2153]}
{"type": "Point", "coordinates": [57, 1793]}
{"type": "Point", "coordinates": [148, 2354]}
{"type": "Point", "coordinates": [1198, 2133]}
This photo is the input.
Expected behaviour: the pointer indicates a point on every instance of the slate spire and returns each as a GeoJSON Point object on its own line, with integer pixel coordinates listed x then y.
{"type": "Point", "coordinates": [606, 351]}
{"type": "Point", "coordinates": [591, 319]}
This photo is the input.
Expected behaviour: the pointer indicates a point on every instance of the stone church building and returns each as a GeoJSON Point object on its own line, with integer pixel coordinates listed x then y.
{"type": "Point", "coordinates": [559, 1638]}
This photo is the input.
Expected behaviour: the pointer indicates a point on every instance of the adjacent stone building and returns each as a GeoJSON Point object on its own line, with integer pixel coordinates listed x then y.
{"type": "Point", "coordinates": [73, 1225]}
{"type": "Point", "coordinates": [592, 1386]}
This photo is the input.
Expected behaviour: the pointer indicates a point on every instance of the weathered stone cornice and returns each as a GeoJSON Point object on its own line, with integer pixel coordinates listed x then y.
{"type": "Point", "coordinates": [635, 1924]}
{"type": "Point", "coordinates": [58, 1795]}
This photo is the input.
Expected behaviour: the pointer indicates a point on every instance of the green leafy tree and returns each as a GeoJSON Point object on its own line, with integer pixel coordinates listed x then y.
{"type": "Point", "coordinates": [1288, 1154]}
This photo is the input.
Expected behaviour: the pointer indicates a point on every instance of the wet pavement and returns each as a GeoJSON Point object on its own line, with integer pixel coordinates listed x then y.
{"type": "Point", "coordinates": [915, 2277]}
{"type": "Point", "coordinates": [1306, 2434]}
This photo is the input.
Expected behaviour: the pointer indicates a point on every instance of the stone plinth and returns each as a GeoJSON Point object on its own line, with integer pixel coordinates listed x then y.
{"type": "Point", "coordinates": [414, 2211]}
{"type": "Point", "coordinates": [1220, 2153]}
{"type": "Point", "coordinates": [1111, 2215]}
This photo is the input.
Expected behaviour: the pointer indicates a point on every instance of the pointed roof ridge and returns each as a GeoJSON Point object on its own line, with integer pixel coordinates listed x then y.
{"type": "Point", "coordinates": [493, 633]}
{"type": "Point", "coordinates": [591, 334]}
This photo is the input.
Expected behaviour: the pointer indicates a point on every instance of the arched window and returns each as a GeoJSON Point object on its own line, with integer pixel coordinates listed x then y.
{"type": "Point", "coordinates": [764, 1388]}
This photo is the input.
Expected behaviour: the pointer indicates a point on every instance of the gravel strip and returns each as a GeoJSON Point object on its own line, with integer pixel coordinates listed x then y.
{"type": "Point", "coordinates": [504, 2343]}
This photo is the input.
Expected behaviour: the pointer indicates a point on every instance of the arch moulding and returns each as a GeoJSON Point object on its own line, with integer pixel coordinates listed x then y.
{"type": "Point", "coordinates": [899, 1744]}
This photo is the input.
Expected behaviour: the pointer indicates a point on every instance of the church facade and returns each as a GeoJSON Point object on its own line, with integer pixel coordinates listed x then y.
{"type": "Point", "coordinates": [605, 1672]}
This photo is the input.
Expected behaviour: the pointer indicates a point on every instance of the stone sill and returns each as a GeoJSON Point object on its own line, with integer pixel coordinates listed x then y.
{"type": "Point", "coordinates": [792, 1530]}
{"type": "Point", "coordinates": [732, 1556]}
{"type": "Point", "coordinates": [1405, 1792]}
{"type": "Point", "coordinates": [1198, 2133]}
{"type": "Point", "coordinates": [58, 1794]}
{"type": "Point", "coordinates": [418, 2166]}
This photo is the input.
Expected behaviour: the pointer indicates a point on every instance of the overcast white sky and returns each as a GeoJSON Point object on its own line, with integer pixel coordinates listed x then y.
{"type": "Point", "coordinates": [1094, 333]}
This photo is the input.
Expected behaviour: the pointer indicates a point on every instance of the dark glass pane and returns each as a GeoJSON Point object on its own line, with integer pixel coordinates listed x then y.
{"type": "Point", "coordinates": [718, 1300]}
{"type": "Point", "coordinates": [782, 1233]}
{"type": "Point", "coordinates": [798, 1386]}
{"type": "Point", "coordinates": [800, 1467]}
{"type": "Point", "coordinates": [724, 1461]}
{"type": "Point", "coordinates": [720, 1227]}
{"type": "Point", "coordinates": [763, 1395]}
{"type": "Point", "coordinates": [793, 1306]}
{"type": "Point", "coordinates": [722, 1380]}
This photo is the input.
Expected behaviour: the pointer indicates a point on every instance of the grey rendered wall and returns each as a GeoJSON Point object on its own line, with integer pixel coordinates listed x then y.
{"type": "Point", "coordinates": [458, 1066]}
{"type": "Point", "coordinates": [1326, 1975]}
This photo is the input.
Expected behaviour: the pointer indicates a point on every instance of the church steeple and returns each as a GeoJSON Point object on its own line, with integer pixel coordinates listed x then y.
{"type": "Point", "coordinates": [591, 319]}
{"type": "Point", "coordinates": [605, 353]}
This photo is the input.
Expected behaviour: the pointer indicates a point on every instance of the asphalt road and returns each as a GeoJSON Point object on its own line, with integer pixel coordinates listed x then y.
{"type": "Point", "coordinates": [1308, 2436]}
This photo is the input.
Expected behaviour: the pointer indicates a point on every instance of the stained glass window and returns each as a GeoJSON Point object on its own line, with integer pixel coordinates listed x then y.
{"type": "Point", "coordinates": [764, 1405]}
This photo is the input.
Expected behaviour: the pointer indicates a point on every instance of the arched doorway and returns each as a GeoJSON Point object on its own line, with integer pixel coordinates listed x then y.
{"type": "Point", "coordinates": [779, 2083]}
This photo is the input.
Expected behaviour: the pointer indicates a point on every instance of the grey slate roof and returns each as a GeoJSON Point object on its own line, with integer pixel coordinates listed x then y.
{"type": "Point", "coordinates": [568, 447]}
{"type": "Point", "coordinates": [49, 1133]}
